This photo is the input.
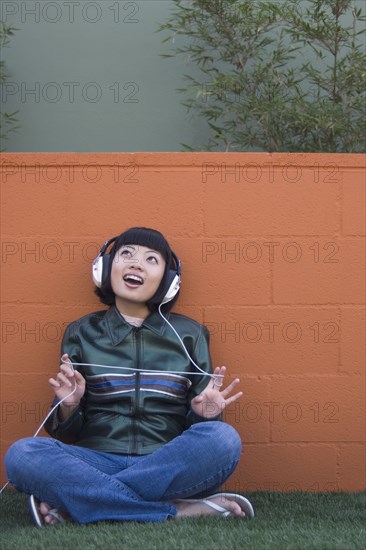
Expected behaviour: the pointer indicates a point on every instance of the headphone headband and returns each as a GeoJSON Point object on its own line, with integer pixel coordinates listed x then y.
{"type": "Point", "coordinates": [105, 246]}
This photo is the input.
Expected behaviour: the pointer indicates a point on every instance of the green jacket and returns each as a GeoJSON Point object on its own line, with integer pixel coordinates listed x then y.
{"type": "Point", "coordinates": [129, 411]}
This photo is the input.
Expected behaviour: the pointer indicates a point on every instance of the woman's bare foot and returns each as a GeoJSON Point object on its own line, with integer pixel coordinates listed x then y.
{"type": "Point", "coordinates": [187, 508]}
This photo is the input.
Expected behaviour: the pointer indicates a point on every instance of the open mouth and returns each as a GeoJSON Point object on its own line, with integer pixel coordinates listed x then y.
{"type": "Point", "coordinates": [133, 280]}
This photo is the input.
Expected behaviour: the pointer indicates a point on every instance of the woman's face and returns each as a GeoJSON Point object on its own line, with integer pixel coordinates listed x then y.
{"type": "Point", "coordinates": [136, 274]}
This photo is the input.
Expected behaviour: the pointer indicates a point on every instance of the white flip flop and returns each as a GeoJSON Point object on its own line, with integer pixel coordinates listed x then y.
{"type": "Point", "coordinates": [243, 502]}
{"type": "Point", "coordinates": [37, 517]}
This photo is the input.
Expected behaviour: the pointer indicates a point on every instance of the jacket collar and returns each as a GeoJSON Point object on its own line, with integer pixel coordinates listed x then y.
{"type": "Point", "coordinates": [118, 328]}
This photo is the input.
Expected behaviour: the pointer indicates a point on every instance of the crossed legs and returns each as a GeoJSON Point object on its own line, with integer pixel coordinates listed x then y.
{"type": "Point", "coordinates": [94, 486]}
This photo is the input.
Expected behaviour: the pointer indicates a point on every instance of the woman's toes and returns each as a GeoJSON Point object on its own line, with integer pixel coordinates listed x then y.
{"type": "Point", "coordinates": [203, 508]}
{"type": "Point", "coordinates": [48, 518]}
{"type": "Point", "coordinates": [44, 508]}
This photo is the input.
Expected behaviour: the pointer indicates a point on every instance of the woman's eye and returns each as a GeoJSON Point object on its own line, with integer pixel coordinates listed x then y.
{"type": "Point", "coordinates": [125, 252]}
{"type": "Point", "coordinates": [153, 259]}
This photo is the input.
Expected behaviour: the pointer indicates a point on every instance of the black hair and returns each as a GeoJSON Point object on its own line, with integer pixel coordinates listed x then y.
{"type": "Point", "coordinates": [150, 238]}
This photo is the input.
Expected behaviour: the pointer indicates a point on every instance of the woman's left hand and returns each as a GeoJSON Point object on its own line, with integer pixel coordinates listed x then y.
{"type": "Point", "coordinates": [213, 400]}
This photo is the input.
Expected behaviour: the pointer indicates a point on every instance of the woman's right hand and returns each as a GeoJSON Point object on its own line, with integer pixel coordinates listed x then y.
{"type": "Point", "coordinates": [65, 382]}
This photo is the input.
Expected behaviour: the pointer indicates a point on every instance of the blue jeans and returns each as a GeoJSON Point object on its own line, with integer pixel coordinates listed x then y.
{"type": "Point", "coordinates": [94, 486]}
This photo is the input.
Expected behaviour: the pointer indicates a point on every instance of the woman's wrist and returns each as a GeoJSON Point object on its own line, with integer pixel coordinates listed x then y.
{"type": "Point", "coordinates": [65, 411]}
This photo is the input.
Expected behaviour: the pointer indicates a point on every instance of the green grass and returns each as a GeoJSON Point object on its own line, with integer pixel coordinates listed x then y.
{"type": "Point", "coordinates": [301, 521]}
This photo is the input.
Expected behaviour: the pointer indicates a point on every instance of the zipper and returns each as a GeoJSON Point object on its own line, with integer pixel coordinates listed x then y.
{"type": "Point", "coordinates": [136, 409]}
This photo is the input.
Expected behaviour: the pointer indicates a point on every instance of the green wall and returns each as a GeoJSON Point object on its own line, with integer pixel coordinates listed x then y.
{"type": "Point", "coordinates": [88, 76]}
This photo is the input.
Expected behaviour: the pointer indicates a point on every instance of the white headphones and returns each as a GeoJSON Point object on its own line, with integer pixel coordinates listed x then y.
{"type": "Point", "coordinates": [101, 266]}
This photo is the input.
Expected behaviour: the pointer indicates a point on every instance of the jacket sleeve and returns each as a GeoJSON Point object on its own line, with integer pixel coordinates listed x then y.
{"type": "Point", "coordinates": [68, 430]}
{"type": "Point", "coordinates": [201, 356]}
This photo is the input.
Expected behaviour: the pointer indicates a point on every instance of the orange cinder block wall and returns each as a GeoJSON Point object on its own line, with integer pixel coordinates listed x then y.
{"type": "Point", "coordinates": [272, 251]}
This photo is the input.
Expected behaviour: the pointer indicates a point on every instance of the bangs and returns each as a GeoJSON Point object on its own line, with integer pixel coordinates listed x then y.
{"type": "Point", "coordinates": [144, 236]}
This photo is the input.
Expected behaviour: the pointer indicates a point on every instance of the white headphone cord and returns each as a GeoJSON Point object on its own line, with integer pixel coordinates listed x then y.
{"type": "Point", "coordinates": [125, 368]}
{"type": "Point", "coordinates": [57, 405]}
{"type": "Point", "coordinates": [185, 349]}
{"type": "Point", "coordinates": [149, 371]}
{"type": "Point", "coordinates": [201, 373]}
{"type": "Point", "coordinates": [47, 417]}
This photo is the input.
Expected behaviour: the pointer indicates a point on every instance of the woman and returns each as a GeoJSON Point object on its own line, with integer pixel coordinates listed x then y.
{"type": "Point", "coordinates": [136, 435]}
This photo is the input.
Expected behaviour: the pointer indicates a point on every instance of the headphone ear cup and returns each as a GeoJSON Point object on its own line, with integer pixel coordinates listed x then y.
{"type": "Point", "coordinates": [100, 267]}
{"type": "Point", "coordinates": [100, 270]}
{"type": "Point", "coordinates": [97, 271]}
{"type": "Point", "coordinates": [173, 288]}
{"type": "Point", "coordinates": [106, 267]}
